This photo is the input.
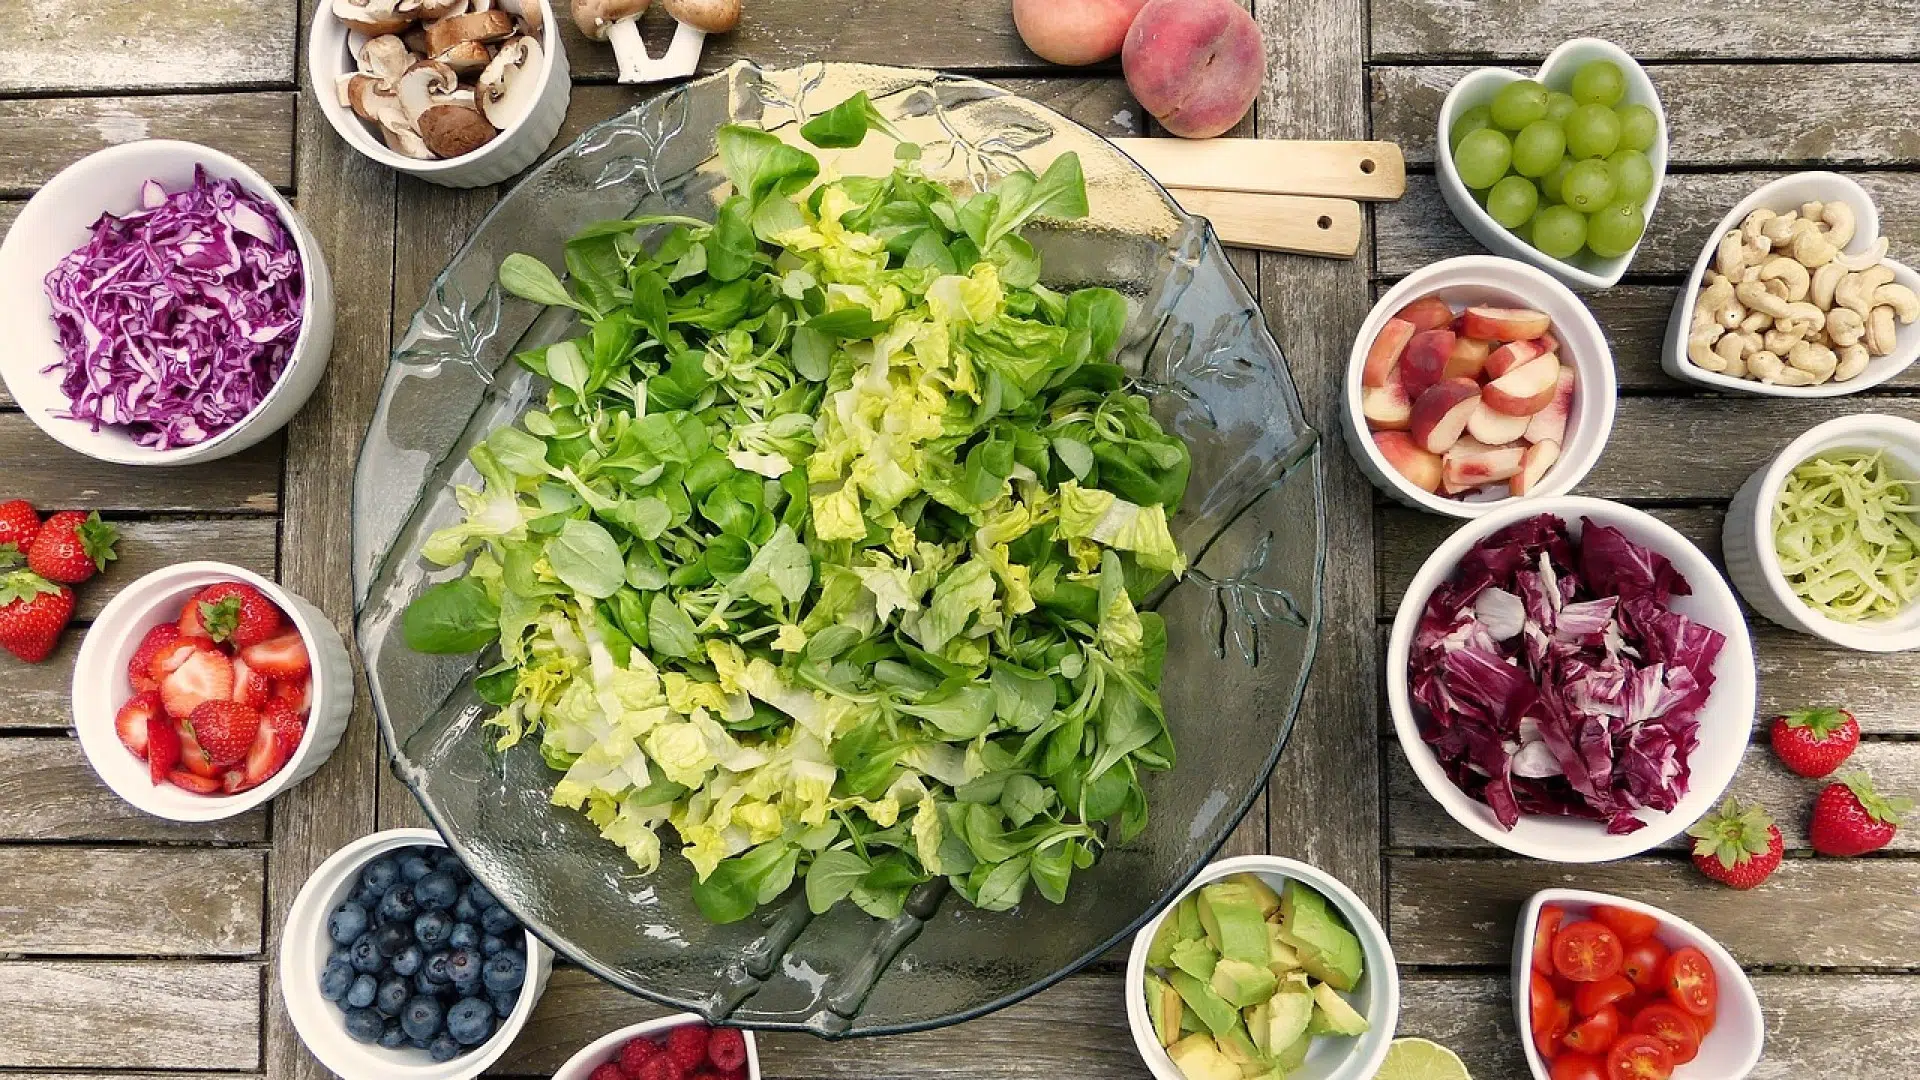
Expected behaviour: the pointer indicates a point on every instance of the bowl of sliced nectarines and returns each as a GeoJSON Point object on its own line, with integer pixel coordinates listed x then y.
{"type": "Point", "coordinates": [1476, 381]}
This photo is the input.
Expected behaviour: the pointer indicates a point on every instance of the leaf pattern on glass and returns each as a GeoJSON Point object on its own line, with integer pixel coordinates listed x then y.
{"type": "Point", "coordinates": [649, 127]}
{"type": "Point", "coordinates": [1242, 605]}
{"type": "Point", "coordinates": [769, 89]}
{"type": "Point", "coordinates": [982, 159]}
{"type": "Point", "coordinates": [1206, 372]}
{"type": "Point", "coordinates": [447, 330]}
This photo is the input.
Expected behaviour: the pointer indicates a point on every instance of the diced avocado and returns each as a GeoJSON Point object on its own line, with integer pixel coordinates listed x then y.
{"type": "Point", "coordinates": [1282, 957]}
{"type": "Point", "coordinates": [1293, 1055]}
{"type": "Point", "coordinates": [1215, 1013]}
{"type": "Point", "coordinates": [1230, 911]}
{"type": "Point", "coordinates": [1190, 1023]}
{"type": "Point", "coordinates": [1160, 952]}
{"type": "Point", "coordinates": [1198, 1058]}
{"type": "Point", "coordinates": [1256, 1018]}
{"type": "Point", "coordinates": [1240, 983]}
{"type": "Point", "coordinates": [1288, 1013]}
{"type": "Point", "coordinates": [1328, 950]}
{"type": "Point", "coordinates": [1187, 914]}
{"type": "Point", "coordinates": [1165, 1009]}
{"type": "Point", "coordinates": [1196, 958]}
{"type": "Point", "coordinates": [1339, 1017]}
{"type": "Point", "coordinates": [1269, 900]}
{"type": "Point", "coordinates": [1237, 1048]}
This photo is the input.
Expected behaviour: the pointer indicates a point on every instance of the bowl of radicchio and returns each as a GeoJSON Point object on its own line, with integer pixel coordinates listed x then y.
{"type": "Point", "coordinates": [169, 307]}
{"type": "Point", "coordinates": [1571, 679]}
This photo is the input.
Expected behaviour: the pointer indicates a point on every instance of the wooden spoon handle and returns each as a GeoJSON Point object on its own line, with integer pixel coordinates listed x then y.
{"type": "Point", "coordinates": [1349, 170]}
{"type": "Point", "coordinates": [1300, 224]}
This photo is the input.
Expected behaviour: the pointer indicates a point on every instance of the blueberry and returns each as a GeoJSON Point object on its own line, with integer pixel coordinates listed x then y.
{"type": "Point", "coordinates": [360, 994]}
{"type": "Point", "coordinates": [336, 980]}
{"type": "Point", "coordinates": [365, 1025]}
{"type": "Point", "coordinates": [366, 954]}
{"type": "Point", "coordinates": [506, 971]}
{"type": "Point", "coordinates": [421, 1017]}
{"type": "Point", "coordinates": [392, 938]}
{"type": "Point", "coordinates": [479, 896]}
{"type": "Point", "coordinates": [340, 953]}
{"type": "Point", "coordinates": [407, 961]}
{"type": "Point", "coordinates": [499, 920]}
{"type": "Point", "coordinates": [399, 905]}
{"type": "Point", "coordinates": [394, 1037]}
{"type": "Point", "coordinates": [436, 970]}
{"type": "Point", "coordinates": [445, 859]}
{"type": "Point", "coordinates": [392, 996]}
{"type": "Point", "coordinates": [419, 1044]}
{"type": "Point", "coordinates": [436, 891]}
{"type": "Point", "coordinates": [491, 946]}
{"type": "Point", "coordinates": [431, 929]}
{"type": "Point", "coordinates": [464, 910]}
{"type": "Point", "coordinates": [503, 1003]}
{"type": "Point", "coordinates": [347, 922]}
{"type": "Point", "coordinates": [422, 984]}
{"type": "Point", "coordinates": [463, 965]}
{"type": "Point", "coordinates": [379, 875]}
{"type": "Point", "coordinates": [367, 898]}
{"type": "Point", "coordinates": [470, 1021]}
{"type": "Point", "coordinates": [414, 866]}
{"type": "Point", "coordinates": [464, 936]}
{"type": "Point", "coordinates": [443, 1048]}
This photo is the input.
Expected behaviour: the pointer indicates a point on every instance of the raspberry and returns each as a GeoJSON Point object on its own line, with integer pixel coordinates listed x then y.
{"type": "Point", "coordinates": [635, 1053]}
{"type": "Point", "coordinates": [658, 1068]}
{"type": "Point", "coordinates": [737, 1074]}
{"type": "Point", "coordinates": [609, 1071]}
{"type": "Point", "coordinates": [727, 1049]}
{"type": "Point", "coordinates": [687, 1046]}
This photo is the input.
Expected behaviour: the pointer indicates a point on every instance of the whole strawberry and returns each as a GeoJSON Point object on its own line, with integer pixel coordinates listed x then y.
{"type": "Point", "coordinates": [19, 523]}
{"type": "Point", "coordinates": [1850, 818]}
{"type": "Point", "coordinates": [224, 729]}
{"type": "Point", "coordinates": [71, 547]}
{"type": "Point", "coordinates": [33, 611]}
{"type": "Point", "coordinates": [232, 611]}
{"type": "Point", "coordinates": [1814, 742]}
{"type": "Point", "coordinates": [1737, 846]}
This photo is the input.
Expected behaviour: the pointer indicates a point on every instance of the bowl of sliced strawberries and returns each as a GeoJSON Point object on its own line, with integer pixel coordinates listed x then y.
{"type": "Point", "coordinates": [204, 690]}
{"type": "Point", "coordinates": [1476, 381]}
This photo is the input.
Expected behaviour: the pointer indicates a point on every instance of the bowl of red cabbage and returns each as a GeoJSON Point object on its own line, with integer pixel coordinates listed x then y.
{"type": "Point", "coordinates": [170, 307]}
{"type": "Point", "coordinates": [1571, 679]}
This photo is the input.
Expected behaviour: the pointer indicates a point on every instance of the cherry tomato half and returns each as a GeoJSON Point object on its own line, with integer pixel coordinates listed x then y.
{"type": "Point", "coordinates": [1594, 1034]}
{"type": "Point", "coordinates": [1632, 926]}
{"type": "Point", "coordinates": [1540, 1003]}
{"type": "Point", "coordinates": [1645, 963]}
{"type": "Point", "coordinates": [1543, 932]}
{"type": "Point", "coordinates": [1547, 1039]}
{"type": "Point", "coordinates": [1671, 1025]}
{"type": "Point", "coordinates": [1594, 996]}
{"type": "Point", "coordinates": [1587, 952]}
{"type": "Point", "coordinates": [1578, 1067]}
{"type": "Point", "coordinates": [1690, 981]}
{"type": "Point", "coordinates": [1639, 1057]}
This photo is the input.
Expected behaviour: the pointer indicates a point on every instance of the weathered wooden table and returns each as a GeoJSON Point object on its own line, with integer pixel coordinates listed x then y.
{"type": "Point", "coordinates": [134, 948]}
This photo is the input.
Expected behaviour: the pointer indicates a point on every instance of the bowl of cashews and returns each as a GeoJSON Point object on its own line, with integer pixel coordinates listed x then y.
{"type": "Point", "coordinates": [1794, 296]}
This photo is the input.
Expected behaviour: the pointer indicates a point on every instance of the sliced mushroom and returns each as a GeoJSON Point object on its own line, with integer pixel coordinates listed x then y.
{"type": "Point", "coordinates": [436, 9]}
{"type": "Point", "coordinates": [416, 39]}
{"type": "Point", "coordinates": [712, 16]}
{"type": "Point", "coordinates": [369, 97]}
{"type": "Point", "coordinates": [467, 57]}
{"type": "Point", "coordinates": [372, 17]}
{"type": "Point", "coordinates": [423, 87]}
{"type": "Point", "coordinates": [386, 58]}
{"type": "Point", "coordinates": [453, 129]}
{"type": "Point", "coordinates": [481, 26]}
{"type": "Point", "coordinates": [532, 17]}
{"type": "Point", "coordinates": [508, 88]}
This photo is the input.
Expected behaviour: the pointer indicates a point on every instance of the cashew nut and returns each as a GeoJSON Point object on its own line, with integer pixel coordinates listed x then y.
{"type": "Point", "coordinates": [1700, 348]}
{"type": "Point", "coordinates": [1731, 255]}
{"type": "Point", "coordinates": [1783, 337]}
{"type": "Point", "coordinates": [1806, 315]}
{"type": "Point", "coordinates": [1736, 368]}
{"type": "Point", "coordinates": [1764, 366]}
{"type": "Point", "coordinates": [1880, 331]}
{"type": "Point", "coordinates": [1874, 253]}
{"type": "Point", "coordinates": [1838, 217]}
{"type": "Point", "coordinates": [1815, 359]}
{"type": "Point", "coordinates": [1845, 327]}
{"type": "Point", "coordinates": [1813, 249]}
{"type": "Point", "coordinates": [1824, 280]}
{"type": "Point", "coordinates": [1901, 299]}
{"type": "Point", "coordinates": [1753, 228]}
{"type": "Point", "coordinates": [1757, 322]}
{"type": "Point", "coordinates": [1730, 347]}
{"type": "Point", "coordinates": [1811, 210]}
{"type": "Point", "coordinates": [1777, 228]}
{"type": "Point", "coordinates": [1756, 296]}
{"type": "Point", "coordinates": [1855, 291]}
{"type": "Point", "coordinates": [1796, 277]}
{"type": "Point", "coordinates": [1853, 361]}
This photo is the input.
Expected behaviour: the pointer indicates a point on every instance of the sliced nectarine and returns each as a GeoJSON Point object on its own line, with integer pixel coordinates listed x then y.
{"type": "Point", "coordinates": [1547, 342]}
{"type": "Point", "coordinates": [1464, 469]}
{"type": "Point", "coordinates": [1441, 412]}
{"type": "Point", "coordinates": [1495, 428]}
{"type": "Point", "coordinates": [1385, 351]}
{"type": "Point", "coordinates": [1426, 313]}
{"type": "Point", "coordinates": [1468, 358]}
{"type": "Point", "coordinates": [1420, 468]}
{"type": "Point", "coordinates": [1510, 356]}
{"type": "Point", "coordinates": [1506, 324]}
{"type": "Point", "coordinates": [1386, 407]}
{"type": "Point", "coordinates": [1526, 389]}
{"type": "Point", "coordinates": [1425, 361]}
{"type": "Point", "coordinates": [1534, 463]}
{"type": "Point", "coordinates": [1550, 423]}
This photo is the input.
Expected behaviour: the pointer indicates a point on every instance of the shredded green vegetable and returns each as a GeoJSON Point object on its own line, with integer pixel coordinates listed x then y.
{"type": "Point", "coordinates": [1847, 535]}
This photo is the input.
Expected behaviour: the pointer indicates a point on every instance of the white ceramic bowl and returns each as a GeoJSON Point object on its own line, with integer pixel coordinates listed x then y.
{"type": "Point", "coordinates": [1747, 537]}
{"type": "Point", "coordinates": [100, 687]}
{"type": "Point", "coordinates": [58, 219]}
{"type": "Point", "coordinates": [1586, 270]}
{"type": "Point", "coordinates": [1376, 996]}
{"type": "Point", "coordinates": [304, 946]}
{"type": "Point", "coordinates": [330, 55]}
{"type": "Point", "coordinates": [1730, 1050]}
{"type": "Point", "coordinates": [1787, 193]}
{"type": "Point", "coordinates": [1485, 279]}
{"type": "Point", "coordinates": [607, 1047]}
{"type": "Point", "coordinates": [1726, 723]}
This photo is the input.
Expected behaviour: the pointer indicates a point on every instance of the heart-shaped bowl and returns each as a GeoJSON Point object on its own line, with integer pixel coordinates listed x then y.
{"type": "Point", "coordinates": [1586, 270]}
{"type": "Point", "coordinates": [1788, 193]}
{"type": "Point", "coordinates": [1730, 1050]}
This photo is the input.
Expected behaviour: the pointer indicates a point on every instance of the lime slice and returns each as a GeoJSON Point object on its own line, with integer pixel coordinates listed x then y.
{"type": "Point", "coordinates": [1419, 1059]}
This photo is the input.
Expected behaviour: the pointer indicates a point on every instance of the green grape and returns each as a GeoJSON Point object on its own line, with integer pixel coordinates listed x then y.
{"type": "Point", "coordinates": [1592, 131]}
{"type": "Point", "coordinates": [1588, 186]}
{"type": "Point", "coordinates": [1519, 104]}
{"type": "Point", "coordinates": [1482, 158]}
{"type": "Point", "coordinates": [1468, 122]}
{"type": "Point", "coordinates": [1559, 231]}
{"type": "Point", "coordinates": [1559, 104]}
{"type": "Point", "coordinates": [1638, 127]}
{"type": "Point", "coordinates": [1551, 180]}
{"type": "Point", "coordinates": [1599, 82]}
{"type": "Point", "coordinates": [1614, 230]}
{"type": "Point", "coordinates": [1632, 175]}
{"type": "Point", "coordinates": [1538, 148]}
{"type": "Point", "coordinates": [1512, 201]}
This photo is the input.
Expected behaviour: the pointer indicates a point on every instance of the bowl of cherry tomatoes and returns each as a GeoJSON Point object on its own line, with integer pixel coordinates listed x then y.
{"type": "Point", "coordinates": [1613, 989]}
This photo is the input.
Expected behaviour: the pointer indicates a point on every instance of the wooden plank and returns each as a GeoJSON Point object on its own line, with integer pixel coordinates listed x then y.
{"type": "Point", "coordinates": [1718, 114]}
{"type": "Point", "coordinates": [146, 546]}
{"type": "Point", "coordinates": [1414, 822]}
{"type": "Point", "coordinates": [150, 1015]}
{"type": "Point", "coordinates": [1524, 32]}
{"type": "Point", "coordinates": [45, 473]}
{"type": "Point", "coordinates": [45, 135]}
{"type": "Point", "coordinates": [129, 901]}
{"type": "Point", "coordinates": [49, 792]}
{"type": "Point", "coordinates": [1862, 1027]}
{"type": "Point", "coordinates": [1419, 228]}
{"type": "Point", "coordinates": [161, 46]}
{"type": "Point", "coordinates": [1814, 912]}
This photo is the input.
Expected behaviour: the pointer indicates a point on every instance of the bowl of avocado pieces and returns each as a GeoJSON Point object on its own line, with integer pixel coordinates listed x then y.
{"type": "Point", "coordinates": [1265, 968]}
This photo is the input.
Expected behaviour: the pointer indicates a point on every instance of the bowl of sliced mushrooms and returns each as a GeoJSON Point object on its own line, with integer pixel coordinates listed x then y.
{"type": "Point", "coordinates": [456, 92]}
{"type": "Point", "coordinates": [1794, 296]}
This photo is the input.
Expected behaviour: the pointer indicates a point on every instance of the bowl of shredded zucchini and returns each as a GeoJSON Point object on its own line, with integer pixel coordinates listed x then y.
{"type": "Point", "coordinates": [1825, 539]}
{"type": "Point", "coordinates": [838, 549]}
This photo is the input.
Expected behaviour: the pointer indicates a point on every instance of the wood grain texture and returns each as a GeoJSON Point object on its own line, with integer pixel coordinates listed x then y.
{"type": "Point", "coordinates": [146, 546]}
{"type": "Point", "coordinates": [132, 902]}
{"type": "Point", "coordinates": [1420, 229]}
{"type": "Point", "coordinates": [157, 46]}
{"type": "Point", "coordinates": [117, 1015]}
{"type": "Point", "coordinates": [49, 792]}
{"type": "Point", "coordinates": [45, 473]}
{"type": "Point", "coordinates": [1524, 31]}
{"type": "Point", "coordinates": [1814, 912]}
{"type": "Point", "coordinates": [45, 135]}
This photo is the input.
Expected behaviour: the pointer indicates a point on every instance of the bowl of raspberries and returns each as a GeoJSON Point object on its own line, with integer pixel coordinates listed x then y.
{"type": "Point", "coordinates": [397, 964]}
{"type": "Point", "coordinates": [678, 1047]}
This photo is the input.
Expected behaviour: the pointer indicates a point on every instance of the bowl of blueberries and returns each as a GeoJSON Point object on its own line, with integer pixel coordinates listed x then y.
{"type": "Point", "coordinates": [397, 963]}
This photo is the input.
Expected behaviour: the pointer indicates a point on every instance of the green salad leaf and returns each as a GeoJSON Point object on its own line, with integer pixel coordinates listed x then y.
{"type": "Point", "coordinates": [1846, 530]}
{"type": "Point", "coordinates": [823, 554]}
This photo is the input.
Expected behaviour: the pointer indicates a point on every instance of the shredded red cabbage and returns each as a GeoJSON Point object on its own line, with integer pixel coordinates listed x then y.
{"type": "Point", "coordinates": [178, 318]}
{"type": "Point", "coordinates": [1550, 677]}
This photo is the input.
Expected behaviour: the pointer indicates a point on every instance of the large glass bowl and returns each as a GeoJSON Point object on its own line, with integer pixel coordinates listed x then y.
{"type": "Point", "coordinates": [1242, 623]}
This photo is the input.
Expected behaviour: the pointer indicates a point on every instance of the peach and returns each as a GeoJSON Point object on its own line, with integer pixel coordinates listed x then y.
{"type": "Point", "coordinates": [1526, 389]}
{"type": "Point", "coordinates": [1386, 407]}
{"type": "Point", "coordinates": [1427, 313]}
{"type": "Point", "coordinates": [1196, 65]}
{"type": "Point", "coordinates": [1425, 360]}
{"type": "Point", "coordinates": [1534, 463]}
{"type": "Point", "coordinates": [1550, 423]}
{"type": "Point", "coordinates": [1547, 342]}
{"type": "Point", "coordinates": [1510, 356]}
{"type": "Point", "coordinates": [1441, 413]}
{"type": "Point", "coordinates": [1467, 467]}
{"type": "Point", "coordinates": [1385, 352]}
{"type": "Point", "coordinates": [1075, 31]}
{"type": "Point", "coordinates": [1468, 358]}
{"type": "Point", "coordinates": [1495, 428]}
{"type": "Point", "coordinates": [1409, 459]}
{"type": "Point", "coordinates": [1506, 324]}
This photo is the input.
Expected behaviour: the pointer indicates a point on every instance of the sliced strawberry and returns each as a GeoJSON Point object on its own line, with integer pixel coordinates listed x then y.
{"type": "Point", "coordinates": [199, 785]}
{"type": "Point", "coordinates": [287, 727]}
{"type": "Point", "coordinates": [234, 781]}
{"type": "Point", "coordinates": [235, 612]}
{"type": "Point", "coordinates": [268, 756]}
{"type": "Point", "coordinates": [140, 668]}
{"type": "Point", "coordinates": [207, 675]}
{"type": "Point", "coordinates": [294, 695]}
{"type": "Point", "coordinates": [283, 657]}
{"type": "Point", "coordinates": [249, 686]}
{"type": "Point", "coordinates": [163, 744]}
{"type": "Point", "coordinates": [170, 656]}
{"type": "Point", "coordinates": [130, 723]}
{"type": "Point", "coordinates": [225, 729]}
{"type": "Point", "coordinates": [192, 758]}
